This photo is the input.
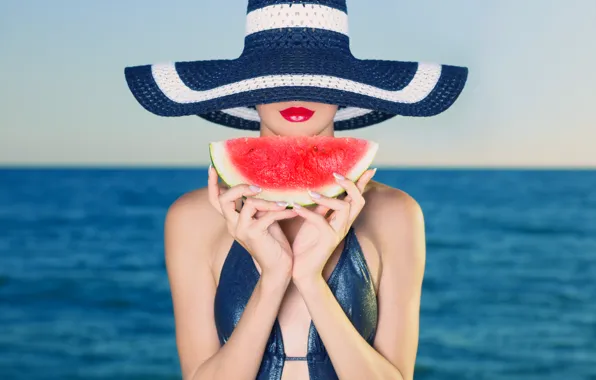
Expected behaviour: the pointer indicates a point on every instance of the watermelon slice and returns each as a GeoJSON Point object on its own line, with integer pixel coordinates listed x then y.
{"type": "Point", "coordinates": [287, 167]}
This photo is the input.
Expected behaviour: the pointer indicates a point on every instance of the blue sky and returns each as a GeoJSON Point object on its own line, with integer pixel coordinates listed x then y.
{"type": "Point", "coordinates": [529, 99]}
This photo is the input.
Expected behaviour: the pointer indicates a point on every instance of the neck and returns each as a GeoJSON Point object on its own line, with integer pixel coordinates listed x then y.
{"type": "Point", "coordinates": [267, 131]}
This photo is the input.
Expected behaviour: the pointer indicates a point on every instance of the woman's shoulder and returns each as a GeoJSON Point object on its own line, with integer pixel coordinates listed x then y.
{"type": "Point", "coordinates": [192, 224]}
{"type": "Point", "coordinates": [194, 207]}
{"type": "Point", "coordinates": [389, 204]}
{"type": "Point", "coordinates": [391, 216]}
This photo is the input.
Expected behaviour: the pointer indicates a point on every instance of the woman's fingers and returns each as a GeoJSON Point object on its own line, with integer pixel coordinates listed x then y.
{"type": "Point", "coordinates": [365, 179]}
{"type": "Point", "coordinates": [214, 190]}
{"type": "Point", "coordinates": [227, 200]}
{"type": "Point", "coordinates": [254, 206]}
{"type": "Point", "coordinates": [344, 211]}
{"type": "Point", "coordinates": [314, 218]}
{"type": "Point", "coordinates": [259, 214]}
{"type": "Point", "coordinates": [354, 197]}
{"type": "Point", "coordinates": [328, 203]}
{"type": "Point", "coordinates": [339, 218]}
{"type": "Point", "coordinates": [361, 182]}
{"type": "Point", "coordinates": [321, 210]}
{"type": "Point", "coordinates": [265, 221]}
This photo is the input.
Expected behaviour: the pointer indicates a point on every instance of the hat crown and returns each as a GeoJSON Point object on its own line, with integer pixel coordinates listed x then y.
{"type": "Point", "coordinates": [256, 4]}
{"type": "Point", "coordinates": [311, 24]}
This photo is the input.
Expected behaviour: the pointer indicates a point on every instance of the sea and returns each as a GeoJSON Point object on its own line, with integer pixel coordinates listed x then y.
{"type": "Point", "coordinates": [509, 290]}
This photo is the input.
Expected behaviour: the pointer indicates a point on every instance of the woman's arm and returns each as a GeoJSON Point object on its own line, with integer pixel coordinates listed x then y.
{"type": "Point", "coordinates": [399, 235]}
{"type": "Point", "coordinates": [192, 227]}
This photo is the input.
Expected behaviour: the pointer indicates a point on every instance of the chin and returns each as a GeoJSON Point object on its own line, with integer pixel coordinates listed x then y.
{"type": "Point", "coordinates": [298, 130]}
{"type": "Point", "coordinates": [297, 118]}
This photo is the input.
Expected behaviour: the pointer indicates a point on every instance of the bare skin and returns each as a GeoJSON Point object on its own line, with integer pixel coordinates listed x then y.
{"type": "Point", "coordinates": [201, 226]}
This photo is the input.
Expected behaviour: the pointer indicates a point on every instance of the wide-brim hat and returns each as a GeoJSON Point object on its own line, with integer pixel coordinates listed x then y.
{"type": "Point", "coordinates": [296, 50]}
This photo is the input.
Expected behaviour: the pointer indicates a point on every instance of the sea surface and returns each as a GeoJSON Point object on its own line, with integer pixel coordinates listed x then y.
{"type": "Point", "coordinates": [509, 291]}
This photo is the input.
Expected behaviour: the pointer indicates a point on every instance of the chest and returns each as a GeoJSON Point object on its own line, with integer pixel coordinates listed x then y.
{"type": "Point", "coordinates": [352, 273]}
{"type": "Point", "coordinates": [371, 258]}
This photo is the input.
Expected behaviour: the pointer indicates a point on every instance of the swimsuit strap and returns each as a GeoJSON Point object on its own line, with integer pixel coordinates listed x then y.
{"type": "Point", "coordinates": [295, 358]}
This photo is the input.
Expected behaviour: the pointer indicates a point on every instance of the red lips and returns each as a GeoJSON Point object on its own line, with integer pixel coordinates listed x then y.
{"type": "Point", "coordinates": [297, 114]}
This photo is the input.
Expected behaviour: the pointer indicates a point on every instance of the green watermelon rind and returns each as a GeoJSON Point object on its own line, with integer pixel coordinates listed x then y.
{"type": "Point", "coordinates": [301, 197]}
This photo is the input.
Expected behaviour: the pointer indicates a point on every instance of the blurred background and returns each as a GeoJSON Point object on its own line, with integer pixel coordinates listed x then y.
{"type": "Point", "coordinates": [506, 179]}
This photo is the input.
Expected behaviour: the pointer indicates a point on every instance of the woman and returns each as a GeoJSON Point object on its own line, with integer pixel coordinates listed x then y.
{"type": "Point", "coordinates": [324, 292]}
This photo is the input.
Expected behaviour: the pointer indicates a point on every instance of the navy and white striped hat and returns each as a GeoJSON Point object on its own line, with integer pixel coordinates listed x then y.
{"type": "Point", "coordinates": [296, 50]}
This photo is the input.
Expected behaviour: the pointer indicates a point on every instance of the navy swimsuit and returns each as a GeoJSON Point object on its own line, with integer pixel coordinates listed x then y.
{"type": "Point", "coordinates": [350, 282]}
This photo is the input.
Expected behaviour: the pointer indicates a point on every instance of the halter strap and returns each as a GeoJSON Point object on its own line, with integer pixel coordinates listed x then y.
{"type": "Point", "coordinates": [296, 358]}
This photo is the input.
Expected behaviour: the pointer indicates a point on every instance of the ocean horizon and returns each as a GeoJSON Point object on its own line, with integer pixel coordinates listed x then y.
{"type": "Point", "coordinates": [508, 290]}
{"type": "Point", "coordinates": [150, 166]}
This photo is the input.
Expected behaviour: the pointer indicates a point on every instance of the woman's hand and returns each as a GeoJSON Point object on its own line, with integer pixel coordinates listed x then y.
{"type": "Point", "coordinates": [319, 235]}
{"type": "Point", "coordinates": [255, 227]}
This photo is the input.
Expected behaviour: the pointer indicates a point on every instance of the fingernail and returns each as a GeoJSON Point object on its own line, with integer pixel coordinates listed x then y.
{"type": "Point", "coordinates": [255, 189]}
{"type": "Point", "coordinates": [314, 195]}
{"type": "Point", "coordinates": [374, 171]}
{"type": "Point", "coordinates": [297, 206]}
{"type": "Point", "coordinates": [339, 176]}
{"type": "Point", "coordinates": [282, 204]}
{"type": "Point", "coordinates": [210, 166]}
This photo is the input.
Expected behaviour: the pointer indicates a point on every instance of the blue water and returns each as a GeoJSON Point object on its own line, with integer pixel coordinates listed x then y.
{"type": "Point", "coordinates": [509, 291]}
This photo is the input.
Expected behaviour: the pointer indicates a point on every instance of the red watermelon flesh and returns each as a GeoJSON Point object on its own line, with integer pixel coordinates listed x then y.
{"type": "Point", "coordinates": [287, 167]}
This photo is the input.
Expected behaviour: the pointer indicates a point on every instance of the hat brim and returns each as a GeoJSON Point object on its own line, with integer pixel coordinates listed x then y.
{"type": "Point", "coordinates": [369, 91]}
